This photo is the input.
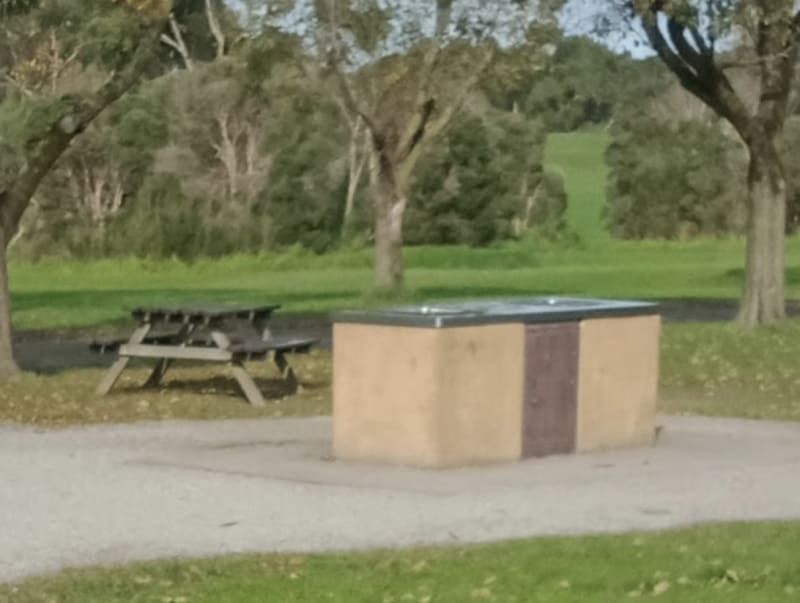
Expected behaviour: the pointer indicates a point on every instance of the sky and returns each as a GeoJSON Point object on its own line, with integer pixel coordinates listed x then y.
{"type": "Point", "coordinates": [578, 18]}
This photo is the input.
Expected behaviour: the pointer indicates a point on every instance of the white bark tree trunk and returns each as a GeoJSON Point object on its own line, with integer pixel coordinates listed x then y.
{"type": "Point", "coordinates": [764, 288]}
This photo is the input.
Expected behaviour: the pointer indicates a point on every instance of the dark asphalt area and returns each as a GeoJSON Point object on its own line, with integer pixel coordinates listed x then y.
{"type": "Point", "coordinates": [54, 351]}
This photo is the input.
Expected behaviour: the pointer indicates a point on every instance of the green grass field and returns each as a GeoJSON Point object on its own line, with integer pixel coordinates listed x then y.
{"type": "Point", "coordinates": [578, 157]}
{"type": "Point", "coordinates": [59, 294]}
{"type": "Point", "coordinates": [721, 563]}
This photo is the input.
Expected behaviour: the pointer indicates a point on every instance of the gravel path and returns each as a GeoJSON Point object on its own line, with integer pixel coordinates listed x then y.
{"type": "Point", "coordinates": [115, 494]}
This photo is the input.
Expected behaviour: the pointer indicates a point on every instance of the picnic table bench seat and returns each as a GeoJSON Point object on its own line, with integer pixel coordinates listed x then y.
{"type": "Point", "coordinates": [253, 349]}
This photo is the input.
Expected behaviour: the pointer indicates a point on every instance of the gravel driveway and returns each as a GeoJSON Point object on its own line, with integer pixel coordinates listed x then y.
{"type": "Point", "coordinates": [120, 493]}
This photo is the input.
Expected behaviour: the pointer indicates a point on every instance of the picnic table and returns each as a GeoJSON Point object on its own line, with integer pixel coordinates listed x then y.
{"type": "Point", "coordinates": [217, 333]}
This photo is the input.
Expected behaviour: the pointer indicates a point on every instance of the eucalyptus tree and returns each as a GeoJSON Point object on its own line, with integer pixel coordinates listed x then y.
{"type": "Point", "coordinates": [119, 38]}
{"type": "Point", "coordinates": [702, 42]}
{"type": "Point", "coordinates": [404, 68]}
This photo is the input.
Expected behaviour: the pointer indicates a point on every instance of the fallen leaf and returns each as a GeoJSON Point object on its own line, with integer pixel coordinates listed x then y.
{"type": "Point", "coordinates": [481, 593]}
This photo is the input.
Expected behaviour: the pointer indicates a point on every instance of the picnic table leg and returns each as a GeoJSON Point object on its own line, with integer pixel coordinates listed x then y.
{"type": "Point", "coordinates": [249, 387]}
{"type": "Point", "coordinates": [286, 371]}
{"type": "Point", "coordinates": [245, 381]}
{"type": "Point", "coordinates": [110, 378]}
{"type": "Point", "coordinates": [163, 365]}
{"type": "Point", "coordinates": [158, 373]}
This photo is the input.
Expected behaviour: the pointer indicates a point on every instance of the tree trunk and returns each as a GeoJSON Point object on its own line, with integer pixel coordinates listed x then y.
{"type": "Point", "coordinates": [8, 365]}
{"type": "Point", "coordinates": [226, 152]}
{"type": "Point", "coordinates": [177, 43]}
{"type": "Point", "coordinates": [390, 204]}
{"type": "Point", "coordinates": [216, 30]}
{"type": "Point", "coordinates": [356, 168]}
{"type": "Point", "coordinates": [763, 299]}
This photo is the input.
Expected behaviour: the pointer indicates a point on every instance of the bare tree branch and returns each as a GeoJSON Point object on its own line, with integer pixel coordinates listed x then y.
{"type": "Point", "coordinates": [216, 29]}
{"type": "Point", "coordinates": [334, 59]}
{"type": "Point", "coordinates": [347, 94]}
{"type": "Point", "coordinates": [688, 77]}
{"type": "Point", "coordinates": [776, 39]}
{"type": "Point", "coordinates": [701, 64]}
{"type": "Point", "coordinates": [438, 124]}
{"type": "Point", "coordinates": [177, 42]}
{"type": "Point", "coordinates": [430, 125]}
{"type": "Point", "coordinates": [7, 77]}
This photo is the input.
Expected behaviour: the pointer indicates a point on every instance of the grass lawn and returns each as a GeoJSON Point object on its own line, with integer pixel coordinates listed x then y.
{"type": "Point", "coordinates": [720, 370]}
{"type": "Point", "coordinates": [719, 563]}
{"type": "Point", "coordinates": [64, 294]}
{"type": "Point", "coordinates": [201, 392]}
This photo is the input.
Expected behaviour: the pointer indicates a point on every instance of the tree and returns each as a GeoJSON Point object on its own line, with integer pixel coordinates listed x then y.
{"type": "Point", "coordinates": [457, 197]}
{"type": "Point", "coordinates": [685, 36]}
{"type": "Point", "coordinates": [199, 30]}
{"type": "Point", "coordinates": [124, 36]}
{"type": "Point", "coordinates": [217, 129]}
{"type": "Point", "coordinates": [673, 179]}
{"type": "Point", "coordinates": [95, 181]}
{"type": "Point", "coordinates": [405, 69]}
{"type": "Point", "coordinates": [580, 82]}
{"type": "Point", "coordinates": [483, 182]}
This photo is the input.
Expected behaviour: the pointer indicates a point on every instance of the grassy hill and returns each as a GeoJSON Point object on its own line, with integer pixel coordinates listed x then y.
{"type": "Point", "coordinates": [579, 158]}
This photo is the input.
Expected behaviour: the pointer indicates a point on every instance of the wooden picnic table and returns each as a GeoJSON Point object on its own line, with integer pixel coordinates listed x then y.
{"type": "Point", "coordinates": [214, 333]}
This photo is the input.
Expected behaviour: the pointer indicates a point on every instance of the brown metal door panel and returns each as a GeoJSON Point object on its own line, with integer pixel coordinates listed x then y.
{"type": "Point", "coordinates": [550, 406]}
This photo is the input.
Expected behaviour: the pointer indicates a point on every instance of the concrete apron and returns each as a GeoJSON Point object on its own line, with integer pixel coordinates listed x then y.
{"type": "Point", "coordinates": [114, 494]}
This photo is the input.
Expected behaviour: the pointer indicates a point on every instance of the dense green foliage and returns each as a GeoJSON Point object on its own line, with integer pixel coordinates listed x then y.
{"type": "Point", "coordinates": [673, 180]}
{"type": "Point", "coordinates": [485, 183]}
{"type": "Point", "coordinates": [581, 84]}
{"type": "Point", "coordinates": [248, 154]}
{"type": "Point", "coordinates": [676, 171]}
{"type": "Point", "coordinates": [245, 150]}
{"type": "Point", "coordinates": [682, 179]}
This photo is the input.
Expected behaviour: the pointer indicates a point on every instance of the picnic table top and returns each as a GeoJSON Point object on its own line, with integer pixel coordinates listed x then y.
{"type": "Point", "coordinates": [202, 312]}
